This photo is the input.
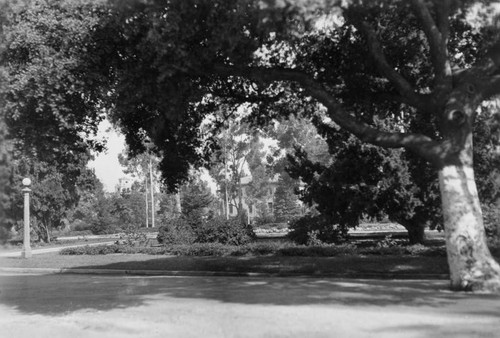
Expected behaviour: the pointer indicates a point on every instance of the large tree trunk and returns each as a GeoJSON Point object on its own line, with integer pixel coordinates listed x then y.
{"type": "Point", "coordinates": [472, 268]}
{"type": "Point", "coordinates": [416, 232]}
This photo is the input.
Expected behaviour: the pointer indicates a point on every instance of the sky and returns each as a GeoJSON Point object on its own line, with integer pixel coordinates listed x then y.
{"type": "Point", "coordinates": [106, 165]}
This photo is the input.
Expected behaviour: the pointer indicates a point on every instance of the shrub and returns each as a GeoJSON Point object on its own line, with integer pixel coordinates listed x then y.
{"type": "Point", "coordinates": [491, 214]}
{"type": "Point", "coordinates": [264, 218]}
{"type": "Point", "coordinates": [135, 238]}
{"type": "Point", "coordinates": [5, 235]}
{"type": "Point", "coordinates": [265, 248]}
{"type": "Point", "coordinates": [112, 249]}
{"type": "Point", "coordinates": [388, 242]}
{"type": "Point", "coordinates": [91, 250]}
{"type": "Point", "coordinates": [79, 225]}
{"type": "Point", "coordinates": [398, 250]}
{"type": "Point", "coordinates": [318, 251]}
{"type": "Point", "coordinates": [258, 249]}
{"type": "Point", "coordinates": [312, 238]}
{"type": "Point", "coordinates": [318, 227]}
{"type": "Point", "coordinates": [384, 250]}
{"type": "Point", "coordinates": [201, 249]}
{"type": "Point", "coordinates": [104, 226]}
{"type": "Point", "coordinates": [176, 231]}
{"type": "Point", "coordinates": [220, 230]}
{"type": "Point", "coordinates": [416, 249]}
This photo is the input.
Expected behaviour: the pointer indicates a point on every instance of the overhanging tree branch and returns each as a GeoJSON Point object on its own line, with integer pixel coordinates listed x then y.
{"type": "Point", "coordinates": [437, 38]}
{"type": "Point", "coordinates": [418, 143]}
{"type": "Point", "coordinates": [403, 87]}
{"type": "Point", "coordinates": [442, 17]}
{"type": "Point", "coordinates": [483, 78]}
{"type": "Point", "coordinates": [493, 87]}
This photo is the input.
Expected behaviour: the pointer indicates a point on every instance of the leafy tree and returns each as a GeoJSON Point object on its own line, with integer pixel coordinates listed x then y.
{"type": "Point", "coordinates": [257, 190]}
{"type": "Point", "coordinates": [53, 195]}
{"type": "Point", "coordinates": [197, 200]}
{"type": "Point", "coordinates": [129, 209]}
{"type": "Point", "coordinates": [363, 181]}
{"type": "Point", "coordinates": [169, 206]}
{"type": "Point", "coordinates": [391, 184]}
{"type": "Point", "coordinates": [285, 200]}
{"type": "Point", "coordinates": [299, 131]}
{"type": "Point", "coordinates": [5, 149]}
{"type": "Point", "coordinates": [50, 103]}
{"type": "Point", "coordinates": [103, 220]}
{"type": "Point", "coordinates": [4, 180]}
{"type": "Point", "coordinates": [91, 193]}
{"type": "Point", "coordinates": [172, 63]}
{"type": "Point", "coordinates": [143, 167]}
{"type": "Point", "coordinates": [237, 148]}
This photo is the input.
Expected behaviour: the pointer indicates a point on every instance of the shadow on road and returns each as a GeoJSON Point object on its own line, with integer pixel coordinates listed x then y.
{"type": "Point", "coordinates": [59, 294]}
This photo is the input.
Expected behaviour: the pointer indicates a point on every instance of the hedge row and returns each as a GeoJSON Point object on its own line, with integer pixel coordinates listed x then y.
{"type": "Point", "coordinates": [258, 249]}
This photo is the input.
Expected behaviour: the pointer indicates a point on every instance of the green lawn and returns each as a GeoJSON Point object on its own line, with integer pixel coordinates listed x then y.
{"type": "Point", "coordinates": [389, 266]}
{"type": "Point", "coordinates": [345, 265]}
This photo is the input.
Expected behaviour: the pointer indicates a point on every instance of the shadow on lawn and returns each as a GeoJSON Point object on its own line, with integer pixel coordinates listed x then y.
{"type": "Point", "coordinates": [286, 265]}
{"type": "Point", "coordinates": [59, 294]}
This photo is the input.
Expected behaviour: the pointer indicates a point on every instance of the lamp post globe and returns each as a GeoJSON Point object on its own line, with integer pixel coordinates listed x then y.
{"type": "Point", "coordinates": [26, 182]}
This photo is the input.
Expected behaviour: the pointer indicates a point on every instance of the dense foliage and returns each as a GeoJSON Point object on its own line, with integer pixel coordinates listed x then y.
{"type": "Point", "coordinates": [50, 106]}
{"type": "Point", "coordinates": [213, 230]}
{"type": "Point", "coordinates": [286, 204]}
{"type": "Point", "coordinates": [316, 229]}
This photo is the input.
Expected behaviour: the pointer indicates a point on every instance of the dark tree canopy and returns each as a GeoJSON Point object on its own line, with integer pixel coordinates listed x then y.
{"type": "Point", "coordinates": [51, 100]}
{"type": "Point", "coordinates": [173, 63]}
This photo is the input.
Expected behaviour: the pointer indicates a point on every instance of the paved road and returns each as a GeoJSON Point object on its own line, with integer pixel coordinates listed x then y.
{"type": "Point", "coordinates": [110, 306]}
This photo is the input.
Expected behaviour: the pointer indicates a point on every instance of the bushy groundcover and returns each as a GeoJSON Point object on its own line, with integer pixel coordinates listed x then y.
{"type": "Point", "coordinates": [256, 249]}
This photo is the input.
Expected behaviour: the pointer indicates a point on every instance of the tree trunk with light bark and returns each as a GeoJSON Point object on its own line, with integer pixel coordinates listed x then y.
{"type": "Point", "coordinates": [472, 268]}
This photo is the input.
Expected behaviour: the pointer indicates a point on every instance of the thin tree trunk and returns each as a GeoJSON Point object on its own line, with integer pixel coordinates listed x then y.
{"type": "Point", "coordinates": [241, 211]}
{"type": "Point", "coordinates": [472, 268]}
{"type": "Point", "coordinates": [47, 231]}
{"type": "Point", "coordinates": [226, 201]}
{"type": "Point", "coordinates": [178, 205]}
{"type": "Point", "coordinates": [147, 203]}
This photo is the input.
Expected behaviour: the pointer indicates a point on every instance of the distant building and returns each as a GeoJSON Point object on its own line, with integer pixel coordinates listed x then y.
{"type": "Point", "coordinates": [124, 184]}
{"type": "Point", "coordinates": [254, 210]}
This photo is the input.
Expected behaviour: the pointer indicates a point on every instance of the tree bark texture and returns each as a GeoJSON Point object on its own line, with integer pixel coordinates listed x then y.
{"type": "Point", "coordinates": [416, 233]}
{"type": "Point", "coordinates": [472, 268]}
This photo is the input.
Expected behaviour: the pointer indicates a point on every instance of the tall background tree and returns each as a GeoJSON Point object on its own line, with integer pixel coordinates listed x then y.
{"type": "Point", "coordinates": [4, 149]}
{"type": "Point", "coordinates": [50, 103]}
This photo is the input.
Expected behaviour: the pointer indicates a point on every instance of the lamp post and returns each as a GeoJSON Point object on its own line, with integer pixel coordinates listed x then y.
{"type": "Point", "coordinates": [152, 186]}
{"type": "Point", "coordinates": [26, 253]}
